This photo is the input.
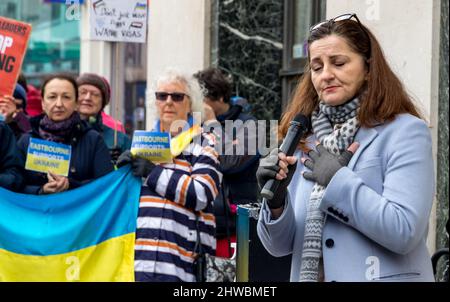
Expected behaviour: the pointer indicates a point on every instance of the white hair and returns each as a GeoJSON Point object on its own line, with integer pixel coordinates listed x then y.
{"type": "Point", "coordinates": [193, 90]}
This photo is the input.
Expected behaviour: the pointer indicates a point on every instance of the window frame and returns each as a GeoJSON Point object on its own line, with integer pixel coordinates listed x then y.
{"type": "Point", "coordinates": [293, 68]}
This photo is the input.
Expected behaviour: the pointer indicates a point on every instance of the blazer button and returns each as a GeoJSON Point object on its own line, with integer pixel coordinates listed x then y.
{"type": "Point", "coordinates": [73, 170]}
{"type": "Point", "coordinates": [329, 243]}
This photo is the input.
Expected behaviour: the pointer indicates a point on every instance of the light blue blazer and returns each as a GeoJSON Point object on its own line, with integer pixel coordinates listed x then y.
{"type": "Point", "coordinates": [377, 209]}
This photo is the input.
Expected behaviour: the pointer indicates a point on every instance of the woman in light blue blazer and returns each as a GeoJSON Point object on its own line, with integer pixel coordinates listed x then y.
{"type": "Point", "coordinates": [356, 207]}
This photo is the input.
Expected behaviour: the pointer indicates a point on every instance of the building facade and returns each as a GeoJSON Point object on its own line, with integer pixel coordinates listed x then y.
{"type": "Point", "coordinates": [261, 44]}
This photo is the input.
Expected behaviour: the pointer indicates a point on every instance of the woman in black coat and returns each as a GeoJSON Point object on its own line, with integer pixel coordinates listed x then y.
{"type": "Point", "coordinates": [10, 167]}
{"type": "Point", "coordinates": [61, 123]}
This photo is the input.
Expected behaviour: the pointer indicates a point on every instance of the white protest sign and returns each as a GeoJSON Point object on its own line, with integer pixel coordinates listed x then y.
{"type": "Point", "coordinates": [118, 20]}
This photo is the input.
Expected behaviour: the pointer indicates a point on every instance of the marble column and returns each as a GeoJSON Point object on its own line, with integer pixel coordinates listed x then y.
{"type": "Point", "coordinates": [247, 42]}
{"type": "Point", "coordinates": [443, 138]}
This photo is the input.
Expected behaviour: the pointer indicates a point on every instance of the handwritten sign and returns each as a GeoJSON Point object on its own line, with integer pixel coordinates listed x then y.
{"type": "Point", "coordinates": [118, 20]}
{"type": "Point", "coordinates": [154, 146]}
{"type": "Point", "coordinates": [14, 37]}
{"type": "Point", "coordinates": [44, 156]}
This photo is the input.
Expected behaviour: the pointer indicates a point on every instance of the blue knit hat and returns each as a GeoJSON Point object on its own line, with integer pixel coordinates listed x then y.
{"type": "Point", "coordinates": [21, 94]}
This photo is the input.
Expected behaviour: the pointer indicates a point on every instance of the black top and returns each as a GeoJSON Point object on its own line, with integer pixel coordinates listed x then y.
{"type": "Point", "coordinates": [90, 157]}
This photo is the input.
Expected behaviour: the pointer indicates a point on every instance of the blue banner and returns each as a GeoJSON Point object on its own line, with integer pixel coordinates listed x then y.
{"type": "Point", "coordinates": [85, 234]}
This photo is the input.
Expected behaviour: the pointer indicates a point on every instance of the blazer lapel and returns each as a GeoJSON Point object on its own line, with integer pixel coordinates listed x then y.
{"type": "Point", "coordinates": [364, 137]}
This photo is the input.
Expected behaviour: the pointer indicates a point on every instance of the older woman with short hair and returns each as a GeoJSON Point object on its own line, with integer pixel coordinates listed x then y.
{"type": "Point", "coordinates": [176, 198]}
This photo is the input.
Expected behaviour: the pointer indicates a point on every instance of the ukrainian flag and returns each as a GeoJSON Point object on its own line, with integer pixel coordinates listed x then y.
{"type": "Point", "coordinates": [86, 234]}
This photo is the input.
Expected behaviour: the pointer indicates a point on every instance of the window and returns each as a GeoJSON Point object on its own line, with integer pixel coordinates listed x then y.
{"type": "Point", "coordinates": [54, 43]}
{"type": "Point", "coordinates": [299, 15]}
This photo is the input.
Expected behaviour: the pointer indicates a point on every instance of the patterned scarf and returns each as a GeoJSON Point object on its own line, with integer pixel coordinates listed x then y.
{"type": "Point", "coordinates": [58, 131]}
{"type": "Point", "coordinates": [335, 128]}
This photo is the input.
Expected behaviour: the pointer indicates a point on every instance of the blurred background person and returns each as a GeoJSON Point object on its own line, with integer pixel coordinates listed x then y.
{"type": "Point", "coordinates": [239, 185]}
{"type": "Point", "coordinates": [61, 123]}
{"type": "Point", "coordinates": [94, 94]}
{"type": "Point", "coordinates": [10, 166]}
{"type": "Point", "coordinates": [13, 108]}
{"type": "Point", "coordinates": [34, 100]}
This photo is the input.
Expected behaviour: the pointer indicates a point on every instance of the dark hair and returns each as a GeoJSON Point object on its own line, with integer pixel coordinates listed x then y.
{"type": "Point", "coordinates": [215, 83]}
{"type": "Point", "coordinates": [60, 76]}
{"type": "Point", "coordinates": [383, 95]}
{"type": "Point", "coordinates": [22, 80]}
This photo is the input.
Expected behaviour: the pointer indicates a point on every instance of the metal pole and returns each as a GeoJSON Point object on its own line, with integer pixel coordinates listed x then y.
{"type": "Point", "coordinates": [116, 88]}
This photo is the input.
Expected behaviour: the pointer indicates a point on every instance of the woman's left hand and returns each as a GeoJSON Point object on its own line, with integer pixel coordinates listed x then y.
{"type": "Point", "coordinates": [56, 183]}
{"type": "Point", "coordinates": [324, 165]}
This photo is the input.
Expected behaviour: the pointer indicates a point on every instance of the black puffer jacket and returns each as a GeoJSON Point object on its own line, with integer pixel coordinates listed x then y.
{"type": "Point", "coordinates": [90, 157]}
{"type": "Point", "coordinates": [10, 166]}
{"type": "Point", "coordinates": [239, 184]}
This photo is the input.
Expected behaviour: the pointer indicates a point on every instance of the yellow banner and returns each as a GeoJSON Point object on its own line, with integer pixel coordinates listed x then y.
{"type": "Point", "coordinates": [88, 264]}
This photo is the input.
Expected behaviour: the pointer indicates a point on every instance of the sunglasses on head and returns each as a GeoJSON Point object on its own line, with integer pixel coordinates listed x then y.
{"type": "Point", "coordinates": [343, 17]}
{"type": "Point", "coordinates": [175, 96]}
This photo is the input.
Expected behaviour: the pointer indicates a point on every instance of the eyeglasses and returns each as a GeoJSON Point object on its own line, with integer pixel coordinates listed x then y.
{"type": "Point", "coordinates": [85, 92]}
{"type": "Point", "coordinates": [343, 17]}
{"type": "Point", "coordinates": [175, 96]}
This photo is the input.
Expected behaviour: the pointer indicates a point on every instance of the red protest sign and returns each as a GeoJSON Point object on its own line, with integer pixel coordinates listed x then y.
{"type": "Point", "coordinates": [14, 37]}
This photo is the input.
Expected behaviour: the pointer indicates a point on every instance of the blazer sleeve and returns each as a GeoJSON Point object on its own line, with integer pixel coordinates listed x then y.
{"type": "Point", "coordinates": [398, 217]}
{"type": "Point", "coordinates": [277, 236]}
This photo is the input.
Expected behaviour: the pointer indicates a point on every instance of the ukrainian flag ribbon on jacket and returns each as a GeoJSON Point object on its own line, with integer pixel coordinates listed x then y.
{"type": "Point", "coordinates": [86, 234]}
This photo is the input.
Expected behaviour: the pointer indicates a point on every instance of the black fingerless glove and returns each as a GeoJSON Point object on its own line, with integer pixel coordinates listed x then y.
{"type": "Point", "coordinates": [268, 168]}
{"type": "Point", "coordinates": [324, 165]}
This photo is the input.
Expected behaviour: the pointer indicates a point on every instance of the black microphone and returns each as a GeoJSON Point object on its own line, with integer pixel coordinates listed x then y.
{"type": "Point", "coordinates": [297, 127]}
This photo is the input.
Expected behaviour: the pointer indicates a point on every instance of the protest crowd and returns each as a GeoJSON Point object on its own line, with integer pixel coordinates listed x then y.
{"type": "Point", "coordinates": [196, 189]}
{"type": "Point", "coordinates": [346, 191]}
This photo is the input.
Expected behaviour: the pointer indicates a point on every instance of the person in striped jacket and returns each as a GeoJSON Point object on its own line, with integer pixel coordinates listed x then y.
{"type": "Point", "coordinates": [177, 197]}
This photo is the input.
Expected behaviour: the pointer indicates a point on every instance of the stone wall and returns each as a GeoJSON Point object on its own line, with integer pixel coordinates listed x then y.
{"type": "Point", "coordinates": [247, 42]}
{"type": "Point", "coordinates": [443, 138]}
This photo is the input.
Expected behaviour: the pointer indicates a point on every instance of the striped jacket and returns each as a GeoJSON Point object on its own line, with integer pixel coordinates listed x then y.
{"type": "Point", "coordinates": [166, 227]}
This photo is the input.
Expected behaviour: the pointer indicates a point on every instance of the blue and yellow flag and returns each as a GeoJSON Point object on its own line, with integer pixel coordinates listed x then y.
{"type": "Point", "coordinates": [86, 234]}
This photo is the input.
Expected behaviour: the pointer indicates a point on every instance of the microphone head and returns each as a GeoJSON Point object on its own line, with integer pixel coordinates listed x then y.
{"type": "Point", "coordinates": [302, 120]}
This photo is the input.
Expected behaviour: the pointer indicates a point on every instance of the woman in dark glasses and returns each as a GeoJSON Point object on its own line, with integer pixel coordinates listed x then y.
{"type": "Point", "coordinates": [358, 203]}
{"type": "Point", "coordinates": [176, 198]}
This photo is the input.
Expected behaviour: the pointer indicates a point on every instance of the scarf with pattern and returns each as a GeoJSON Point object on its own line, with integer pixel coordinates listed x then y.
{"type": "Point", "coordinates": [335, 128]}
{"type": "Point", "coordinates": [60, 131]}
